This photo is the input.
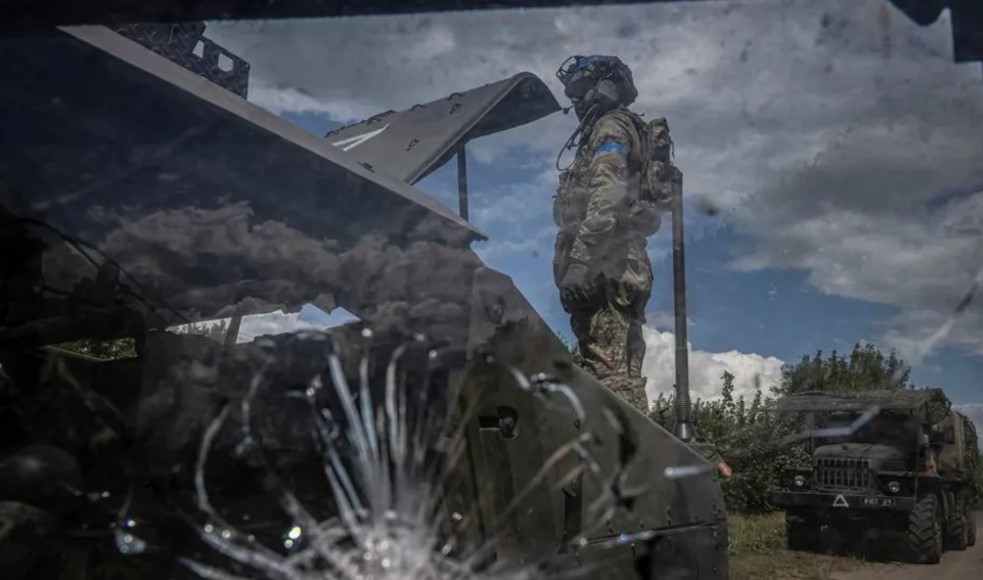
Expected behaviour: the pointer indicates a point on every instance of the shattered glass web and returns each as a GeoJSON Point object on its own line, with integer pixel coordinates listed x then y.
{"type": "Point", "coordinates": [388, 499]}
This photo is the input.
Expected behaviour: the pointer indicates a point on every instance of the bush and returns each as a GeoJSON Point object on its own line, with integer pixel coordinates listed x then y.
{"type": "Point", "coordinates": [126, 347]}
{"type": "Point", "coordinates": [744, 434]}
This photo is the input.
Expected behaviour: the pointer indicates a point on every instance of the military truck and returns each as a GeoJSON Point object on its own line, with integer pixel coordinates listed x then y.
{"type": "Point", "coordinates": [882, 461]}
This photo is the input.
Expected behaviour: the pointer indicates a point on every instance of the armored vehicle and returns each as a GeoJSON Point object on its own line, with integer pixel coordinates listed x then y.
{"type": "Point", "coordinates": [889, 461]}
{"type": "Point", "coordinates": [143, 193]}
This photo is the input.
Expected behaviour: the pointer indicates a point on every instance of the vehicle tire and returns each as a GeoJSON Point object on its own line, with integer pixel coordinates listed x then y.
{"type": "Point", "coordinates": [957, 537]}
{"type": "Point", "coordinates": [802, 535]}
{"type": "Point", "coordinates": [925, 531]}
{"type": "Point", "coordinates": [957, 531]}
{"type": "Point", "coordinates": [971, 529]}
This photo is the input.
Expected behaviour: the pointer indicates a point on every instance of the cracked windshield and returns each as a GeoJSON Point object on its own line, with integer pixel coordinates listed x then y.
{"type": "Point", "coordinates": [680, 290]}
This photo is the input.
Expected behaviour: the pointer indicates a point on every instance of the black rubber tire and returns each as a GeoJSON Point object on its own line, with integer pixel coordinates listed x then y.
{"type": "Point", "coordinates": [971, 529]}
{"type": "Point", "coordinates": [957, 531]}
{"type": "Point", "coordinates": [802, 536]}
{"type": "Point", "coordinates": [925, 532]}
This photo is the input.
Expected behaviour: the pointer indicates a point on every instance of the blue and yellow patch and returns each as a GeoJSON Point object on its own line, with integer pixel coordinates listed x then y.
{"type": "Point", "coordinates": [611, 147]}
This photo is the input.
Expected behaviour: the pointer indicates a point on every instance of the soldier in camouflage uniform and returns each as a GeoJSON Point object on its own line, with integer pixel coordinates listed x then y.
{"type": "Point", "coordinates": [601, 266]}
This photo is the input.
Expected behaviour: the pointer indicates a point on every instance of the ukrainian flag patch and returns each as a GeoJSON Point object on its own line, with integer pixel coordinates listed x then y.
{"type": "Point", "coordinates": [611, 147]}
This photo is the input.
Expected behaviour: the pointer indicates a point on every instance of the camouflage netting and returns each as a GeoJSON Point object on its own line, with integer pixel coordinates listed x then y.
{"type": "Point", "coordinates": [936, 405]}
{"type": "Point", "coordinates": [974, 459]}
{"type": "Point", "coordinates": [913, 397]}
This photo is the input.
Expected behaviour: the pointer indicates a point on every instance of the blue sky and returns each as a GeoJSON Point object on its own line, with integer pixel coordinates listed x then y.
{"type": "Point", "coordinates": [838, 141]}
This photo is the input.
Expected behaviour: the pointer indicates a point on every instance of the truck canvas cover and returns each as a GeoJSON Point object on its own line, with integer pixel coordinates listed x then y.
{"type": "Point", "coordinates": [933, 401]}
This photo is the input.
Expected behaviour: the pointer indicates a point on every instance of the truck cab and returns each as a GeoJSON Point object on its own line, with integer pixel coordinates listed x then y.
{"type": "Point", "coordinates": [881, 461]}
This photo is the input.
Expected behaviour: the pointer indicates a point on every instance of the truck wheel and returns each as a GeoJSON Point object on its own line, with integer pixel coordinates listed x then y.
{"type": "Point", "coordinates": [802, 536]}
{"type": "Point", "coordinates": [971, 529]}
{"type": "Point", "coordinates": [925, 532]}
{"type": "Point", "coordinates": [957, 529]}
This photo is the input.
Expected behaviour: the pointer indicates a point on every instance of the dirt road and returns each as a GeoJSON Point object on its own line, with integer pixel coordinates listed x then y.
{"type": "Point", "coordinates": [965, 565]}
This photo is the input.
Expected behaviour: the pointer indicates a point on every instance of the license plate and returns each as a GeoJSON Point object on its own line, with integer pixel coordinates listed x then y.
{"type": "Point", "coordinates": [878, 501]}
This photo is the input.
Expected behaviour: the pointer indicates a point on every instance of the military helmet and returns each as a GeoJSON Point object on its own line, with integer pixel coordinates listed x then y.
{"type": "Point", "coordinates": [597, 80]}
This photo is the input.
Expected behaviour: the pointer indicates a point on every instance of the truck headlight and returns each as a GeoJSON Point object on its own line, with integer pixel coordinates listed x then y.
{"type": "Point", "coordinates": [893, 486]}
{"type": "Point", "coordinates": [799, 481]}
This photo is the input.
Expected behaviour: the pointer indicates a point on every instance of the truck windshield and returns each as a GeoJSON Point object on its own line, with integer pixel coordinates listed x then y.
{"type": "Point", "coordinates": [884, 428]}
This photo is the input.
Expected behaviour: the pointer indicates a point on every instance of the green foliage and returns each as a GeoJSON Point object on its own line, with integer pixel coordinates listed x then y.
{"type": "Point", "coordinates": [974, 466]}
{"type": "Point", "coordinates": [744, 434]}
{"type": "Point", "coordinates": [747, 433]}
{"type": "Point", "coordinates": [866, 368]}
{"type": "Point", "coordinates": [974, 459]}
{"type": "Point", "coordinates": [102, 349]}
{"type": "Point", "coordinates": [213, 330]}
{"type": "Point", "coordinates": [756, 550]}
{"type": "Point", "coordinates": [126, 347]}
{"type": "Point", "coordinates": [753, 535]}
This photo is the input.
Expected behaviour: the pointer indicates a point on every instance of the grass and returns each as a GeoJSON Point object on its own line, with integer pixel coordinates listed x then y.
{"type": "Point", "coordinates": [757, 552]}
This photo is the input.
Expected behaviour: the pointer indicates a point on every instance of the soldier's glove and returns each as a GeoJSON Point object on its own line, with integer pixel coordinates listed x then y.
{"type": "Point", "coordinates": [577, 284]}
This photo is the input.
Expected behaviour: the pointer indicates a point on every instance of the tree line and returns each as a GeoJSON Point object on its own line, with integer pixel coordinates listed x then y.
{"type": "Point", "coordinates": [126, 347]}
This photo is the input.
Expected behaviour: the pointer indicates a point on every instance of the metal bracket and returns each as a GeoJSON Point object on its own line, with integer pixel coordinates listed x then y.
{"type": "Point", "coordinates": [505, 421]}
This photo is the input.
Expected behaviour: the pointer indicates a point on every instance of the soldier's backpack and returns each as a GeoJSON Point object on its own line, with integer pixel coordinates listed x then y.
{"type": "Point", "coordinates": [657, 174]}
{"type": "Point", "coordinates": [658, 177]}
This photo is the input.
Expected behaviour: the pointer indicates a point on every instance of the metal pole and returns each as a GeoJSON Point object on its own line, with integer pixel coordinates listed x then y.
{"type": "Point", "coordinates": [684, 428]}
{"type": "Point", "coordinates": [462, 182]}
{"type": "Point", "coordinates": [232, 334]}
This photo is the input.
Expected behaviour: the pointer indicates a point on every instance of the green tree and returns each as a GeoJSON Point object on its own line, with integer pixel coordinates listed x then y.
{"type": "Point", "coordinates": [865, 369]}
{"type": "Point", "coordinates": [126, 347]}
{"type": "Point", "coordinates": [102, 349]}
{"type": "Point", "coordinates": [216, 331]}
{"type": "Point", "coordinates": [727, 390]}
{"type": "Point", "coordinates": [756, 405]}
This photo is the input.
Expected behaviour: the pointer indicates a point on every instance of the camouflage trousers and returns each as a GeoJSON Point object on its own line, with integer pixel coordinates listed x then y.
{"type": "Point", "coordinates": [608, 325]}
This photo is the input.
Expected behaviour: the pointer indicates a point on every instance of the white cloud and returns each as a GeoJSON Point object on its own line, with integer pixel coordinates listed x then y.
{"type": "Point", "coordinates": [279, 322]}
{"type": "Point", "coordinates": [751, 371]}
{"type": "Point", "coordinates": [923, 263]}
{"type": "Point", "coordinates": [273, 323]}
{"type": "Point", "coordinates": [281, 100]}
{"type": "Point", "coordinates": [839, 135]}
{"type": "Point", "coordinates": [253, 326]}
{"type": "Point", "coordinates": [661, 320]}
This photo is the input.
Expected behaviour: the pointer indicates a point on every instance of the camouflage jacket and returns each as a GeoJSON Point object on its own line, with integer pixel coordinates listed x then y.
{"type": "Point", "coordinates": [597, 196]}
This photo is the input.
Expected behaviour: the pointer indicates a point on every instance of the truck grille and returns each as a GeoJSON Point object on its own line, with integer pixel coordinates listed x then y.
{"type": "Point", "coordinates": [842, 473]}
